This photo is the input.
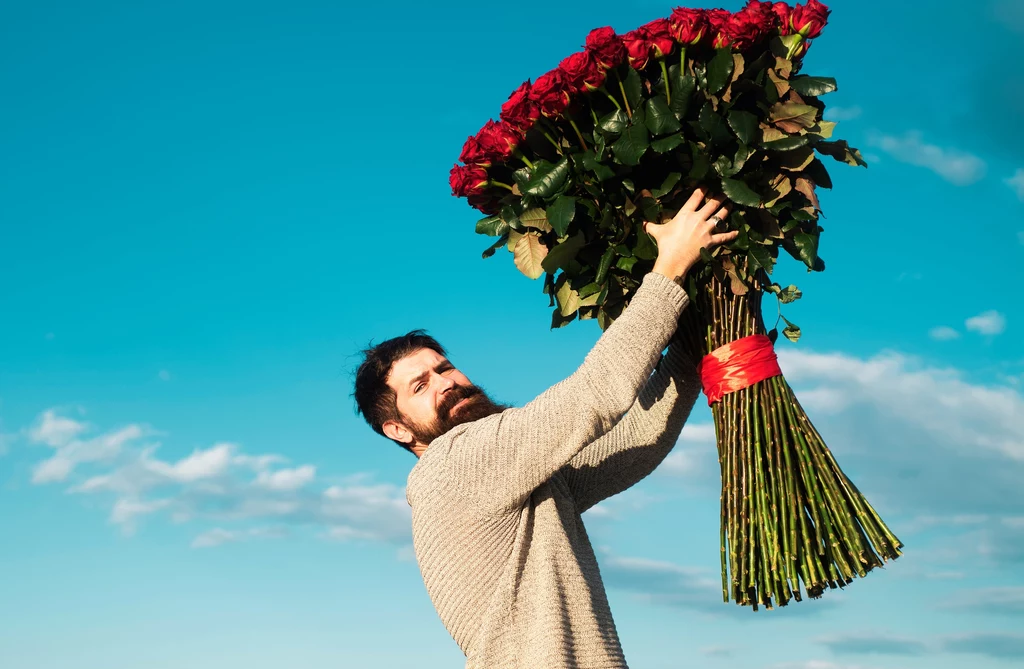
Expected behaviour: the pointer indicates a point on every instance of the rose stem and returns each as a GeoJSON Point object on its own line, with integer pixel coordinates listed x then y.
{"type": "Point", "coordinates": [579, 135]}
{"type": "Point", "coordinates": [625, 100]}
{"type": "Point", "coordinates": [664, 75]}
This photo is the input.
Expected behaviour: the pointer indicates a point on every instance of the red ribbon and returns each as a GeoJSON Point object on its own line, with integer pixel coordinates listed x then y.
{"type": "Point", "coordinates": [736, 365]}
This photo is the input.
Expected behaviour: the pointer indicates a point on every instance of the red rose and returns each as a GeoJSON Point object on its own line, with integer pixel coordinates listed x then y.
{"type": "Point", "coordinates": [654, 39]}
{"type": "Point", "coordinates": [606, 47]}
{"type": "Point", "coordinates": [688, 25]}
{"type": "Point", "coordinates": [784, 12]}
{"type": "Point", "coordinates": [717, 19]}
{"type": "Point", "coordinates": [582, 72]}
{"type": "Point", "coordinates": [637, 47]}
{"type": "Point", "coordinates": [659, 35]}
{"type": "Point", "coordinates": [467, 180]}
{"type": "Point", "coordinates": [809, 19]}
{"type": "Point", "coordinates": [473, 153]}
{"type": "Point", "coordinates": [751, 24]}
{"type": "Point", "coordinates": [520, 111]}
{"type": "Point", "coordinates": [551, 93]}
{"type": "Point", "coordinates": [498, 140]}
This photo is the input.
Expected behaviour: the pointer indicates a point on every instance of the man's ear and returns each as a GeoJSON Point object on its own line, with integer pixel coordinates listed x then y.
{"type": "Point", "coordinates": [398, 432]}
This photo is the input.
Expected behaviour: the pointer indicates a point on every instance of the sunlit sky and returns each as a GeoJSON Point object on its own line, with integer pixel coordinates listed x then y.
{"type": "Point", "coordinates": [208, 209]}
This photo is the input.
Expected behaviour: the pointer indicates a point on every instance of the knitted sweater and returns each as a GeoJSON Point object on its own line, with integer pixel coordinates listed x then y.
{"type": "Point", "coordinates": [496, 502]}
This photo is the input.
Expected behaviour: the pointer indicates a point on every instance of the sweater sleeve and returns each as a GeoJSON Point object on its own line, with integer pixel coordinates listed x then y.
{"type": "Point", "coordinates": [499, 461]}
{"type": "Point", "coordinates": [642, 439]}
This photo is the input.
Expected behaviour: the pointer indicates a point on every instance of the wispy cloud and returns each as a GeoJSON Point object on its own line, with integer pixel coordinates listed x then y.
{"type": "Point", "coordinates": [872, 643]}
{"type": "Point", "coordinates": [1016, 182]}
{"type": "Point", "coordinates": [1007, 600]}
{"type": "Point", "coordinates": [988, 323]}
{"type": "Point", "coordinates": [218, 484]}
{"type": "Point", "coordinates": [1000, 646]}
{"type": "Point", "coordinates": [957, 167]}
{"type": "Point", "coordinates": [943, 333]}
{"type": "Point", "coordinates": [842, 113]}
{"type": "Point", "coordinates": [163, 375]}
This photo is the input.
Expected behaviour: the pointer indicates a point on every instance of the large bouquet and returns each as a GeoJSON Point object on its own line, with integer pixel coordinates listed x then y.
{"type": "Point", "coordinates": [621, 133]}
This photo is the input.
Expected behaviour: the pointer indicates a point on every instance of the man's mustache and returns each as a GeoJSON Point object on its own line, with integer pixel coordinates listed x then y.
{"type": "Point", "coordinates": [454, 396]}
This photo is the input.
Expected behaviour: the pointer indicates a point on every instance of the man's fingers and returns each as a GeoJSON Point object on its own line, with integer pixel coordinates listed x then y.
{"type": "Point", "coordinates": [713, 205]}
{"type": "Point", "coordinates": [724, 238]}
{"type": "Point", "coordinates": [695, 199]}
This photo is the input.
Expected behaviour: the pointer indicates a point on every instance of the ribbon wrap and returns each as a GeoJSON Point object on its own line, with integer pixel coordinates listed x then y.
{"type": "Point", "coordinates": [737, 365]}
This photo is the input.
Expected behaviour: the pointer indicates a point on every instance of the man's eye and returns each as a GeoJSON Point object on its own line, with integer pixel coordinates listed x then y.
{"type": "Point", "coordinates": [419, 387]}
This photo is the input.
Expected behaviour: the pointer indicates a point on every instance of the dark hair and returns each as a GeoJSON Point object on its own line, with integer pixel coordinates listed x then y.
{"type": "Point", "coordinates": [375, 399]}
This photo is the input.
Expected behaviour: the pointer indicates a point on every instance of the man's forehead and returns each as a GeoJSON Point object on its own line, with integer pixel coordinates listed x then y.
{"type": "Point", "coordinates": [409, 367]}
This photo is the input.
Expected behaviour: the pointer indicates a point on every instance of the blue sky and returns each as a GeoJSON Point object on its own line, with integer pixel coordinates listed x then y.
{"type": "Point", "coordinates": [209, 208]}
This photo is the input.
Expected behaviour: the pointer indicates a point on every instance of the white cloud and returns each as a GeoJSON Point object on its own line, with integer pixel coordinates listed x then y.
{"type": "Point", "coordinates": [287, 479]}
{"type": "Point", "coordinates": [943, 333]}
{"type": "Point", "coordinates": [54, 430]}
{"type": "Point", "coordinates": [693, 452]}
{"type": "Point", "coordinates": [217, 484]}
{"type": "Point", "coordinates": [61, 433]}
{"type": "Point", "coordinates": [988, 323]}
{"type": "Point", "coordinates": [163, 375]}
{"type": "Point", "coordinates": [842, 113]}
{"type": "Point", "coordinates": [1016, 182]}
{"type": "Point", "coordinates": [957, 167]}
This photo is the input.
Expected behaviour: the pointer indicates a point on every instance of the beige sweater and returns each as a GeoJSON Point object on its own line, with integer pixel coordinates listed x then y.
{"type": "Point", "coordinates": [496, 503]}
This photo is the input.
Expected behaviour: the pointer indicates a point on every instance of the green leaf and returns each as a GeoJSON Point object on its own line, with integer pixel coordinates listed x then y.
{"type": "Point", "coordinates": [666, 144]}
{"type": "Point", "coordinates": [813, 86]}
{"type": "Point", "coordinates": [599, 169]}
{"type": "Point", "coordinates": [613, 123]}
{"type": "Point", "coordinates": [793, 115]}
{"type": "Point", "coordinates": [740, 193]}
{"type": "Point", "coordinates": [667, 185]}
{"type": "Point", "coordinates": [489, 251]}
{"type": "Point", "coordinates": [842, 152]}
{"type": "Point", "coordinates": [807, 245]}
{"type": "Point", "coordinates": [547, 178]}
{"type": "Point", "coordinates": [605, 265]}
{"type": "Point", "coordinates": [790, 294]}
{"type": "Point", "coordinates": [561, 213]}
{"type": "Point", "coordinates": [568, 299]}
{"type": "Point", "coordinates": [745, 125]}
{"type": "Point", "coordinates": [626, 263]}
{"type": "Point", "coordinates": [701, 164]}
{"type": "Point", "coordinates": [558, 320]}
{"type": "Point", "coordinates": [646, 248]}
{"type": "Point", "coordinates": [791, 331]}
{"type": "Point", "coordinates": [773, 335]}
{"type": "Point", "coordinates": [660, 119]}
{"type": "Point", "coordinates": [651, 209]}
{"type": "Point", "coordinates": [634, 88]}
{"type": "Point", "coordinates": [682, 92]}
{"type": "Point", "coordinates": [786, 143]}
{"type": "Point", "coordinates": [720, 70]}
{"type": "Point", "coordinates": [630, 147]}
{"type": "Point", "coordinates": [492, 226]}
{"type": "Point", "coordinates": [712, 122]}
{"type": "Point", "coordinates": [535, 218]}
{"type": "Point", "coordinates": [760, 254]}
{"type": "Point", "coordinates": [705, 255]}
{"type": "Point", "coordinates": [529, 253]}
{"type": "Point", "coordinates": [563, 253]}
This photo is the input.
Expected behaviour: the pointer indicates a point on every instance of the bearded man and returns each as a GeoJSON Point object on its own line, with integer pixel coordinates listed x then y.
{"type": "Point", "coordinates": [498, 492]}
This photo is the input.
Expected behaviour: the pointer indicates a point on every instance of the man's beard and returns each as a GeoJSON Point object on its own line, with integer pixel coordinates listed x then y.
{"type": "Point", "coordinates": [479, 406]}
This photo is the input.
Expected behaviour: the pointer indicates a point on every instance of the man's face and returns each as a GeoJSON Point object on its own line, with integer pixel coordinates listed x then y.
{"type": "Point", "coordinates": [433, 396]}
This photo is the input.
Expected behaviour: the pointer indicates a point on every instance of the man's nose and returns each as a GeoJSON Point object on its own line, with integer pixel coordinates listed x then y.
{"type": "Point", "coordinates": [446, 383]}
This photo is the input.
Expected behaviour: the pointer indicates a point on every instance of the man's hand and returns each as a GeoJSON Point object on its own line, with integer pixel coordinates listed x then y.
{"type": "Point", "coordinates": [681, 239]}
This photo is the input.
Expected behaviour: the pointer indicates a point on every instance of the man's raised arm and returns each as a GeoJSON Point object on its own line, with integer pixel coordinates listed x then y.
{"type": "Point", "coordinates": [500, 460]}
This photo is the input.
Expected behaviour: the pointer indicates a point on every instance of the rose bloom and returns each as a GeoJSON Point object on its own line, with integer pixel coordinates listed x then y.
{"type": "Point", "coordinates": [467, 180]}
{"type": "Point", "coordinates": [519, 110]}
{"type": "Point", "coordinates": [606, 47]}
{"type": "Point", "coordinates": [751, 24]}
{"type": "Point", "coordinates": [551, 93]}
{"type": "Point", "coordinates": [809, 19]}
{"type": "Point", "coordinates": [688, 25]}
{"type": "Point", "coordinates": [717, 18]}
{"type": "Point", "coordinates": [784, 12]}
{"type": "Point", "coordinates": [582, 72]}
{"type": "Point", "coordinates": [498, 140]}
{"type": "Point", "coordinates": [637, 47]}
{"type": "Point", "coordinates": [659, 36]}
{"type": "Point", "coordinates": [473, 153]}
